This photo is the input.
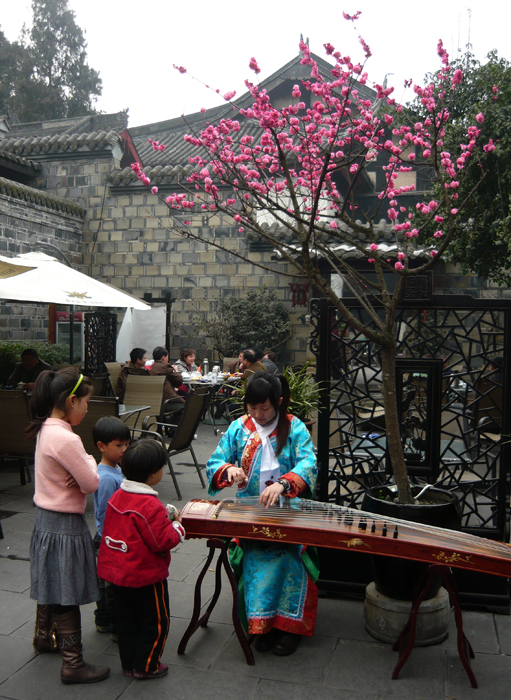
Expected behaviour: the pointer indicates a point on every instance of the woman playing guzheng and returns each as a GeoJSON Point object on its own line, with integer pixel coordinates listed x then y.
{"type": "Point", "coordinates": [268, 454]}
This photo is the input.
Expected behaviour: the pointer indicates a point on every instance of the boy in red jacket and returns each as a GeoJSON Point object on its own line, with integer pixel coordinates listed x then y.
{"type": "Point", "coordinates": [134, 557]}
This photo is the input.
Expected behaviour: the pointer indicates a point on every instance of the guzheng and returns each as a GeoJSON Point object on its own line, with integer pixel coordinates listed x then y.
{"type": "Point", "coordinates": [338, 527]}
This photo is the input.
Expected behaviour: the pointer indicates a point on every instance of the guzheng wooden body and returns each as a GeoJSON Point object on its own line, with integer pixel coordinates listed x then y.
{"type": "Point", "coordinates": [344, 528]}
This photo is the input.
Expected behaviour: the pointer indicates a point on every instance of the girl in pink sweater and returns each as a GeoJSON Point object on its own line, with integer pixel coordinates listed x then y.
{"type": "Point", "coordinates": [62, 560]}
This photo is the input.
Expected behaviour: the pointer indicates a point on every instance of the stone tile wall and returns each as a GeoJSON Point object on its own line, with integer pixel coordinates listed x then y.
{"type": "Point", "coordinates": [21, 225]}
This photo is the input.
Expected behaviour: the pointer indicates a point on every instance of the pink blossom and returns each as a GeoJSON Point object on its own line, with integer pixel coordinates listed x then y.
{"type": "Point", "coordinates": [229, 95]}
{"type": "Point", "coordinates": [400, 256]}
{"type": "Point", "coordinates": [399, 266]}
{"type": "Point", "coordinates": [373, 247]}
{"type": "Point", "coordinates": [145, 180]}
{"type": "Point", "coordinates": [333, 224]}
{"type": "Point", "coordinates": [433, 253]}
{"type": "Point", "coordinates": [253, 65]}
{"type": "Point", "coordinates": [457, 77]}
{"type": "Point", "coordinates": [392, 213]}
{"type": "Point", "coordinates": [181, 69]}
{"type": "Point", "coordinates": [426, 153]}
{"type": "Point", "coordinates": [154, 190]}
{"type": "Point", "coordinates": [352, 18]}
{"type": "Point", "coordinates": [480, 118]}
{"type": "Point", "coordinates": [370, 260]}
{"type": "Point", "coordinates": [438, 234]}
{"type": "Point", "coordinates": [489, 147]}
{"type": "Point", "coordinates": [454, 212]}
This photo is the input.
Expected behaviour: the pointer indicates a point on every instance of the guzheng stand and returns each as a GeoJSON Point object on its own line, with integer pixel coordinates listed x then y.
{"type": "Point", "coordinates": [406, 639]}
{"type": "Point", "coordinates": [196, 621]}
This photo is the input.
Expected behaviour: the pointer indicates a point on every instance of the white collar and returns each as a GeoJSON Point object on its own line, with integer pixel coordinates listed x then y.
{"type": "Point", "coordinates": [138, 487]}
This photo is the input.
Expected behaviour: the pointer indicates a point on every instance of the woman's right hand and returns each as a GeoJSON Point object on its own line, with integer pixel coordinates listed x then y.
{"type": "Point", "coordinates": [235, 475]}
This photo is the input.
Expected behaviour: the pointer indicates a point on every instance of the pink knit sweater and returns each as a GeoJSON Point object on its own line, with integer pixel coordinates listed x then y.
{"type": "Point", "coordinates": [58, 453]}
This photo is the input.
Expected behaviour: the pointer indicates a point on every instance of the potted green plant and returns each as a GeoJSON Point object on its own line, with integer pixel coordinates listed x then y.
{"type": "Point", "coordinates": [304, 391]}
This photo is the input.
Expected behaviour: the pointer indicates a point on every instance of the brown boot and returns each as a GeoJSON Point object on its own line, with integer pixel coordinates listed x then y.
{"type": "Point", "coordinates": [44, 637]}
{"type": "Point", "coordinates": [68, 630]}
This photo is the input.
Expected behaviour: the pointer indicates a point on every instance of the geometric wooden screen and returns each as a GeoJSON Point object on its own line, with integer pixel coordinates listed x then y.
{"type": "Point", "coordinates": [100, 331]}
{"type": "Point", "coordinates": [465, 336]}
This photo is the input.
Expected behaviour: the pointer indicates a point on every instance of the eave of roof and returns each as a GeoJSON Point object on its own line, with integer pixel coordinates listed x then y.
{"type": "Point", "coordinates": [19, 164]}
{"type": "Point", "coordinates": [43, 199]}
{"type": "Point", "coordinates": [38, 146]}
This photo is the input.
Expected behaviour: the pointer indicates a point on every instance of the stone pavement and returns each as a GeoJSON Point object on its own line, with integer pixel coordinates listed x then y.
{"type": "Point", "coordinates": [340, 661]}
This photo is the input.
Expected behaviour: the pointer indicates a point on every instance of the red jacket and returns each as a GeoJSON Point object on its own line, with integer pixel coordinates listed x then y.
{"type": "Point", "coordinates": [137, 537]}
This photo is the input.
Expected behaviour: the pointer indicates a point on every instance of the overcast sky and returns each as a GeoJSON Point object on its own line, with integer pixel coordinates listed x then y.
{"type": "Point", "coordinates": [134, 44]}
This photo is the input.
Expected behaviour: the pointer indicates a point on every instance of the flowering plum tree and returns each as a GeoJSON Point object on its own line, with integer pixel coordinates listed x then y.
{"type": "Point", "coordinates": [299, 166]}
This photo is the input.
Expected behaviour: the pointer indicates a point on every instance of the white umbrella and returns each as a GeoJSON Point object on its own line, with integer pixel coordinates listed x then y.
{"type": "Point", "coordinates": [40, 278]}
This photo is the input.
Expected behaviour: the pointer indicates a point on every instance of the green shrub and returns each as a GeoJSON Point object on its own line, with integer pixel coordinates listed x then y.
{"type": "Point", "coordinates": [10, 354]}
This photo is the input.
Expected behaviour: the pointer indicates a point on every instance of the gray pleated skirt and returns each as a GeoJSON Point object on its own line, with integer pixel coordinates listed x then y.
{"type": "Point", "coordinates": [62, 560]}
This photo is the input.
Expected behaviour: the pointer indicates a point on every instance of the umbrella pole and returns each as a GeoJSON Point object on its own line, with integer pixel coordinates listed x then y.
{"type": "Point", "coordinates": [71, 333]}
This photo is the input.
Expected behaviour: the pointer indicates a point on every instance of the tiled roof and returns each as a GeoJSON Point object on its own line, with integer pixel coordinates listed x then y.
{"type": "Point", "coordinates": [171, 132]}
{"type": "Point", "coordinates": [60, 143]}
{"type": "Point", "coordinates": [43, 199]}
{"type": "Point", "coordinates": [19, 161]}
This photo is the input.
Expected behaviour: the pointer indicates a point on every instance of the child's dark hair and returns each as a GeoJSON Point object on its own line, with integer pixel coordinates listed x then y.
{"type": "Point", "coordinates": [263, 385]}
{"type": "Point", "coordinates": [51, 390]}
{"type": "Point", "coordinates": [110, 428]}
{"type": "Point", "coordinates": [143, 458]}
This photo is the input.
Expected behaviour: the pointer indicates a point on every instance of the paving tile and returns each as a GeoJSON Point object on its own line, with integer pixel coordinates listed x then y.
{"type": "Point", "coordinates": [307, 665]}
{"type": "Point", "coordinates": [40, 678]}
{"type": "Point", "coordinates": [338, 617]}
{"type": "Point", "coordinates": [275, 690]}
{"type": "Point", "coordinates": [503, 627]}
{"type": "Point", "coordinates": [204, 647]}
{"type": "Point", "coordinates": [183, 683]}
{"type": "Point", "coordinates": [480, 630]}
{"type": "Point", "coordinates": [16, 610]}
{"type": "Point", "coordinates": [492, 672]}
{"type": "Point", "coordinates": [359, 666]}
{"type": "Point", "coordinates": [15, 654]}
{"type": "Point", "coordinates": [14, 575]}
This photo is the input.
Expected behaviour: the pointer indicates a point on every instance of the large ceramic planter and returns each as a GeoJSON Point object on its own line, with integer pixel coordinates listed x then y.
{"type": "Point", "coordinates": [396, 578]}
{"type": "Point", "coordinates": [388, 600]}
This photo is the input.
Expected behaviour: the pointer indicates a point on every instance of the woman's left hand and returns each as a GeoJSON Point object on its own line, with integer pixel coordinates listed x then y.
{"type": "Point", "coordinates": [71, 481]}
{"type": "Point", "coordinates": [270, 495]}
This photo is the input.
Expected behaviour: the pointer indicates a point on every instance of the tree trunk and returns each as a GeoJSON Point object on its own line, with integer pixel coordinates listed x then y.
{"type": "Point", "coordinates": [392, 423]}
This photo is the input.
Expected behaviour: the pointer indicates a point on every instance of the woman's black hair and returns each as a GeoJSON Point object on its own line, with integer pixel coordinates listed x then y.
{"type": "Point", "coordinates": [263, 385]}
{"type": "Point", "coordinates": [51, 389]}
{"type": "Point", "coordinates": [141, 459]}
{"type": "Point", "coordinates": [110, 428]}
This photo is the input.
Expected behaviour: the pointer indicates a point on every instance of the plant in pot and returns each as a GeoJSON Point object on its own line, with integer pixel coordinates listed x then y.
{"type": "Point", "coordinates": [304, 395]}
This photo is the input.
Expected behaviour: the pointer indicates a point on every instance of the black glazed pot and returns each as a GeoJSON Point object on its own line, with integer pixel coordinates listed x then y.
{"type": "Point", "coordinates": [397, 578]}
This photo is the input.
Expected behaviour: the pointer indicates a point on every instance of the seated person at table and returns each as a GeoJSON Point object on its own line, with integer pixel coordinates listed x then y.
{"type": "Point", "coordinates": [186, 362]}
{"type": "Point", "coordinates": [27, 370]}
{"type": "Point", "coordinates": [173, 380]}
{"type": "Point", "coordinates": [235, 365]}
{"type": "Point", "coordinates": [268, 360]}
{"type": "Point", "coordinates": [136, 365]}
{"type": "Point", "coordinates": [250, 364]}
{"type": "Point", "coordinates": [268, 453]}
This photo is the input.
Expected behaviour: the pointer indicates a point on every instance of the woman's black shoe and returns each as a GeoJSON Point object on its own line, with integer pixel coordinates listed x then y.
{"type": "Point", "coordinates": [286, 643]}
{"type": "Point", "coordinates": [265, 642]}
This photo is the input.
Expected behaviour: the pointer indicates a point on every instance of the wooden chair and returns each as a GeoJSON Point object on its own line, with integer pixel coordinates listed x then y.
{"type": "Point", "coordinates": [99, 406]}
{"type": "Point", "coordinates": [144, 391]}
{"type": "Point", "coordinates": [182, 438]}
{"type": "Point", "coordinates": [114, 370]}
{"type": "Point", "coordinates": [14, 418]}
{"type": "Point", "coordinates": [227, 362]}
